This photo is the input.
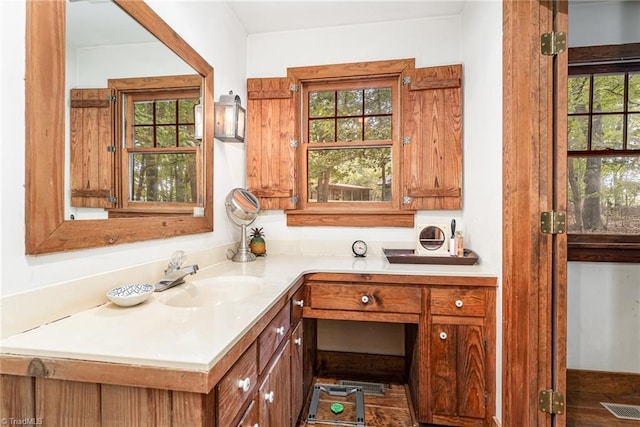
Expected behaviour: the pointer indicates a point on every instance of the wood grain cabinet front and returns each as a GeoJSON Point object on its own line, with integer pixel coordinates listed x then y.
{"type": "Point", "coordinates": [273, 335]}
{"type": "Point", "coordinates": [237, 386]}
{"type": "Point", "coordinates": [458, 361]}
{"type": "Point", "coordinates": [274, 393]}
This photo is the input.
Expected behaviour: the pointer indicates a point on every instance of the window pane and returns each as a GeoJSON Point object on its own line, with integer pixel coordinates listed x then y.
{"type": "Point", "coordinates": [185, 110]}
{"type": "Point", "coordinates": [143, 136]}
{"type": "Point", "coordinates": [578, 131]}
{"type": "Point", "coordinates": [608, 92]}
{"type": "Point", "coordinates": [377, 101]}
{"type": "Point", "coordinates": [350, 103]}
{"type": "Point", "coordinates": [322, 130]}
{"type": "Point", "coordinates": [606, 132]}
{"type": "Point", "coordinates": [349, 175]}
{"type": "Point", "coordinates": [163, 177]}
{"type": "Point", "coordinates": [604, 195]}
{"type": "Point", "coordinates": [377, 128]}
{"type": "Point", "coordinates": [143, 113]}
{"type": "Point", "coordinates": [349, 130]}
{"type": "Point", "coordinates": [634, 92]}
{"type": "Point", "coordinates": [165, 112]}
{"type": "Point", "coordinates": [633, 132]}
{"type": "Point", "coordinates": [578, 96]}
{"type": "Point", "coordinates": [166, 136]}
{"type": "Point", "coordinates": [322, 104]}
{"type": "Point", "coordinates": [186, 136]}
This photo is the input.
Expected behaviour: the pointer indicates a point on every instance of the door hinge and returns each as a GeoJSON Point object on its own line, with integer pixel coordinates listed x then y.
{"type": "Point", "coordinates": [553, 43]}
{"type": "Point", "coordinates": [294, 199]}
{"type": "Point", "coordinates": [486, 399]}
{"type": "Point", "coordinates": [293, 143]}
{"type": "Point", "coordinates": [406, 140]}
{"type": "Point", "coordinates": [406, 80]}
{"type": "Point", "coordinates": [551, 402]}
{"type": "Point", "coordinates": [552, 222]}
{"type": "Point", "coordinates": [294, 88]}
{"type": "Point", "coordinates": [112, 98]}
{"type": "Point", "coordinates": [112, 199]}
{"type": "Point", "coordinates": [111, 148]}
{"type": "Point", "coordinates": [406, 200]}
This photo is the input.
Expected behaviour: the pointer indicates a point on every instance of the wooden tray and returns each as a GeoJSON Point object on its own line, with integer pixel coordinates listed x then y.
{"type": "Point", "coordinates": [408, 256]}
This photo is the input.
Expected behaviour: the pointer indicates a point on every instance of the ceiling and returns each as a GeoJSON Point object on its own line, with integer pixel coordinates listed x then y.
{"type": "Point", "coordinates": [261, 16]}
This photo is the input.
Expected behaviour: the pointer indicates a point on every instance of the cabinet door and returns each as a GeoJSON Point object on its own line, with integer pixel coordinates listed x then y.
{"type": "Point", "coordinates": [297, 373]}
{"type": "Point", "coordinates": [250, 417]}
{"type": "Point", "coordinates": [457, 370]}
{"type": "Point", "coordinates": [275, 392]}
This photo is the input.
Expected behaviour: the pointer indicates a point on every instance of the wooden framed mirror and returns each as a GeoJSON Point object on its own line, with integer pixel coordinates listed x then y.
{"type": "Point", "coordinates": [46, 228]}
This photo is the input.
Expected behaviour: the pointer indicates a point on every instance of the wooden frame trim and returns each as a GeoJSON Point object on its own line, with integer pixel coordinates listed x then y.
{"type": "Point", "coordinates": [604, 53]}
{"type": "Point", "coordinates": [46, 229]}
{"type": "Point", "coordinates": [353, 69]}
{"type": "Point", "coordinates": [354, 218]}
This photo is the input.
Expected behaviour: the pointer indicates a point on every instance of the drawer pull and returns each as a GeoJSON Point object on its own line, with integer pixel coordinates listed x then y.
{"type": "Point", "coordinates": [299, 303]}
{"type": "Point", "coordinates": [269, 397]}
{"type": "Point", "coordinates": [443, 335]}
{"type": "Point", "coordinates": [365, 299]}
{"type": "Point", "coordinates": [245, 384]}
{"type": "Point", "coordinates": [297, 341]}
{"type": "Point", "coordinates": [280, 330]}
{"type": "Point", "coordinates": [459, 303]}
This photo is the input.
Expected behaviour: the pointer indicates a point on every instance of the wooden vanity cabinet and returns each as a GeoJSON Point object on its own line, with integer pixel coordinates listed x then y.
{"type": "Point", "coordinates": [457, 372]}
{"type": "Point", "coordinates": [274, 393]}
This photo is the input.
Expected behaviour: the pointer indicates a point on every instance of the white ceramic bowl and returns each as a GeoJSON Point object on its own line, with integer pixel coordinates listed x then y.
{"type": "Point", "coordinates": [126, 296]}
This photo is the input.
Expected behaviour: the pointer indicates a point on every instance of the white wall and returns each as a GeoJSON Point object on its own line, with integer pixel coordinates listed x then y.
{"type": "Point", "coordinates": [213, 30]}
{"type": "Point", "coordinates": [603, 307]}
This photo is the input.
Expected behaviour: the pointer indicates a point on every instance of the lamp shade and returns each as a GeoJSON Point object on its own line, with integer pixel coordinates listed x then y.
{"type": "Point", "coordinates": [230, 119]}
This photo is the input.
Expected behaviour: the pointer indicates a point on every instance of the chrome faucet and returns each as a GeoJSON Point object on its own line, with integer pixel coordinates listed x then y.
{"type": "Point", "coordinates": [175, 277]}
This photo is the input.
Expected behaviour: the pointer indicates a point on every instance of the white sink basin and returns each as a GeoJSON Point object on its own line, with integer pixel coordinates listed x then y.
{"type": "Point", "coordinates": [214, 291]}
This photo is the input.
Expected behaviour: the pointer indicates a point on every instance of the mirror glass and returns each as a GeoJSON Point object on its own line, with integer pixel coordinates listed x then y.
{"type": "Point", "coordinates": [104, 43]}
{"type": "Point", "coordinates": [47, 162]}
{"type": "Point", "coordinates": [242, 206]}
{"type": "Point", "coordinates": [432, 238]}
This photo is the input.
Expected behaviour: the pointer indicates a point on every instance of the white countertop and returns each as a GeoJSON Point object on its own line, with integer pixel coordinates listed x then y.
{"type": "Point", "coordinates": [194, 338]}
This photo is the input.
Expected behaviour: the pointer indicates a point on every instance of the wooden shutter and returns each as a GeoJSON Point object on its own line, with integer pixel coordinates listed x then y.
{"type": "Point", "coordinates": [92, 161]}
{"type": "Point", "coordinates": [432, 137]}
{"type": "Point", "coordinates": [272, 128]}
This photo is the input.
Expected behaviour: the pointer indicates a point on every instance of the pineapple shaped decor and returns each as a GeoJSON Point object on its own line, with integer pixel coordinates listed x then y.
{"type": "Point", "coordinates": [257, 244]}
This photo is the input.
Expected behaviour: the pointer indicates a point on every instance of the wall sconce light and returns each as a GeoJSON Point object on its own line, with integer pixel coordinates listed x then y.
{"type": "Point", "coordinates": [230, 119]}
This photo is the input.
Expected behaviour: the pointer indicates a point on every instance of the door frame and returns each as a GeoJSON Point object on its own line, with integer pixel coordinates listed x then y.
{"type": "Point", "coordinates": [534, 180]}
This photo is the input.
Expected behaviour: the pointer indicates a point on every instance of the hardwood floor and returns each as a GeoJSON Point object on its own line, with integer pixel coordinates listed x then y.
{"type": "Point", "coordinates": [392, 409]}
{"type": "Point", "coordinates": [585, 391]}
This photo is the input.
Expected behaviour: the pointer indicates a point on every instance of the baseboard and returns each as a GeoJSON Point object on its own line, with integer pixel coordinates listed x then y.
{"type": "Point", "coordinates": [616, 383]}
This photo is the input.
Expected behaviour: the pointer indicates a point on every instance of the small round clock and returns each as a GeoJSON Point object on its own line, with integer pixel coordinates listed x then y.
{"type": "Point", "coordinates": [359, 248]}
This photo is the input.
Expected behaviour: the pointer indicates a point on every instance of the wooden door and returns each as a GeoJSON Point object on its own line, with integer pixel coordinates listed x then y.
{"type": "Point", "coordinates": [534, 180]}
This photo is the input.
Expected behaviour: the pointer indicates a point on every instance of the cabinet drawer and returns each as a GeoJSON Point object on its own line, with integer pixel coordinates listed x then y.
{"type": "Point", "coordinates": [237, 386]}
{"type": "Point", "coordinates": [458, 302]}
{"type": "Point", "coordinates": [273, 335]}
{"type": "Point", "coordinates": [365, 297]}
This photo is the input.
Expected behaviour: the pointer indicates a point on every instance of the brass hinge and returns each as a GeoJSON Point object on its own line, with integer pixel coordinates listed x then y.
{"type": "Point", "coordinates": [551, 402]}
{"type": "Point", "coordinates": [552, 222]}
{"type": "Point", "coordinates": [553, 43]}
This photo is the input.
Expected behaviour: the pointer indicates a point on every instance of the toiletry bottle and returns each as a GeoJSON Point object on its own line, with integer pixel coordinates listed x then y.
{"type": "Point", "coordinates": [459, 243]}
{"type": "Point", "coordinates": [453, 250]}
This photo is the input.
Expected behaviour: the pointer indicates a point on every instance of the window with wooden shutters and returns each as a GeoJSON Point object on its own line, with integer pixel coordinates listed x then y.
{"type": "Point", "coordinates": [338, 143]}
{"type": "Point", "coordinates": [133, 147]}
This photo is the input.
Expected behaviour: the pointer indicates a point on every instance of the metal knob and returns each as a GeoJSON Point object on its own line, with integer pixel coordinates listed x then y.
{"type": "Point", "coordinates": [365, 299]}
{"type": "Point", "coordinates": [459, 303]}
{"type": "Point", "coordinates": [297, 341]}
{"type": "Point", "coordinates": [245, 384]}
{"type": "Point", "coordinates": [269, 397]}
{"type": "Point", "coordinates": [280, 330]}
{"type": "Point", "coordinates": [299, 303]}
{"type": "Point", "coordinates": [443, 335]}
